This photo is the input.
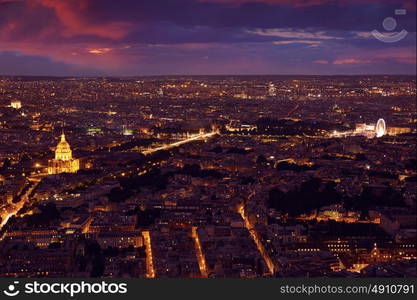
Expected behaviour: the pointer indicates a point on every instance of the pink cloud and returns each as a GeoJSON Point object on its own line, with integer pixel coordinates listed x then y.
{"type": "Point", "coordinates": [72, 15]}
{"type": "Point", "coordinates": [404, 55]}
{"type": "Point", "coordinates": [292, 33]}
{"type": "Point", "coordinates": [400, 55]}
{"type": "Point", "coordinates": [190, 46]}
{"type": "Point", "coordinates": [346, 61]}
{"type": "Point", "coordinates": [56, 39]}
{"type": "Point", "coordinates": [409, 4]}
{"type": "Point", "coordinates": [81, 55]}
{"type": "Point", "coordinates": [321, 62]}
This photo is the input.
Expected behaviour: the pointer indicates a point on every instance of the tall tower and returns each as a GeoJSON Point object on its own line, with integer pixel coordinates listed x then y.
{"type": "Point", "coordinates": [272, 90]}
{"type": "Point", "coordinates": [63, 161]}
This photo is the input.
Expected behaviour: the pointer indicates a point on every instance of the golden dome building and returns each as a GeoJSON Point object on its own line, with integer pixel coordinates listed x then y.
{"type": "Point", "coordinates": [63, 161]}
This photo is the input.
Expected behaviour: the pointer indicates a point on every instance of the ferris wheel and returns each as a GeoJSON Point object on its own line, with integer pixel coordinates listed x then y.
{"type": "Point", "coordinates": [380, 128]}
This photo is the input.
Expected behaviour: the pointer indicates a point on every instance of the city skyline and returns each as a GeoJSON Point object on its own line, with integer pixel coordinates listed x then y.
{"type": "Point", "coordinates": [204, 37]}
{"type": "Point", "coordinates": [208, 176]}
{"type": "Point", "coordinates": [208, 139]}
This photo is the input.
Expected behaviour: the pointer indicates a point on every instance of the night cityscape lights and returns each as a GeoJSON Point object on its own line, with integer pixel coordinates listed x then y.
{"type": "Point", "coordinates": [195, 182]}
{"type": "Point", "coordinates": [209, 139]}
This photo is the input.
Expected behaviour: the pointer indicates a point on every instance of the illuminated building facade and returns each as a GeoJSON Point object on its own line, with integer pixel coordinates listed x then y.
{"type": "Point", "coordinates": [372, 130]}
{"type": "Point", "coordinates": [16, 104]}
{"type": "Point", "coordinates": [63, 161]}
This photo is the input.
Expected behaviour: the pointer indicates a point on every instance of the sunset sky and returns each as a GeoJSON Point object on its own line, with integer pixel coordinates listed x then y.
{"type": "Point", "coordinates": [157, 37]}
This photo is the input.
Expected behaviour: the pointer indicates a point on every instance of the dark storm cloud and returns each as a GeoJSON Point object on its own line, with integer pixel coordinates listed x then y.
{"type": "Point", "coordinates": [128, 37]}
{"type": "Point", "coordinates": [333, 15]}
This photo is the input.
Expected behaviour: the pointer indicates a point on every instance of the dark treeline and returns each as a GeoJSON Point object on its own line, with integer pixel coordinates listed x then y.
{"type": "Point", "coordinates": [291, 127]}
{"type": "Point", "coordinates": [156, 181]}
{"type": "Point", "coordinates": [314, 194]}
{"type": "Point", "coordinates": [311, 194]}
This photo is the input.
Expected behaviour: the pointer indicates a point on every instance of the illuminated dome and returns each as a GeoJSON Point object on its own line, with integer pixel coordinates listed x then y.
{"type": "Point", "coordinates": [380, 128]}
{"type": "Point", "coordinates": [63, 162]}
{"type": "Point", "coordinates": [63, 150]}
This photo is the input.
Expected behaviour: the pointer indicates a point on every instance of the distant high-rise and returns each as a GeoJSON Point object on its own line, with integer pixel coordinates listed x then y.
{"type": "Point", "coordinates": [272, 91]}
{"type": "Point", "coordinates": [63, 161]}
